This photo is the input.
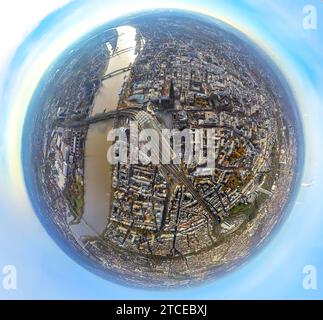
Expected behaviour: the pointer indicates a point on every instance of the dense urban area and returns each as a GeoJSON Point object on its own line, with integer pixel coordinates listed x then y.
{"type": "Point", "coordinates": [169, 224]}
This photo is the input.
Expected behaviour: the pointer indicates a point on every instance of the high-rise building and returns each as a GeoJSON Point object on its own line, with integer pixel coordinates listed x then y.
{"type": "Point", "coordinates": [172, 92]}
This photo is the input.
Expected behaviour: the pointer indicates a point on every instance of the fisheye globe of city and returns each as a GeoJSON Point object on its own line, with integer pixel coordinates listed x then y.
{"type": "Point", "coordinates": [162, 149]}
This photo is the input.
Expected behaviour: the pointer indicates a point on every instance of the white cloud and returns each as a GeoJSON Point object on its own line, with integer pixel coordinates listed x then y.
{"type": "Point", "coordinates": [18, 19]}
{"type": "Point", "coordinates": [308, 184]}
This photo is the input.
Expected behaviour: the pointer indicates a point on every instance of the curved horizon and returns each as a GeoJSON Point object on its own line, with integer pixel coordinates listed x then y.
{"type": "Point", "coordinates": [293, 78]}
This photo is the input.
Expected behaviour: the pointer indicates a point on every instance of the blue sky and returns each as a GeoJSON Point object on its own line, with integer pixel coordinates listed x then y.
{"type": "Point", "coordinates": [44, 271]}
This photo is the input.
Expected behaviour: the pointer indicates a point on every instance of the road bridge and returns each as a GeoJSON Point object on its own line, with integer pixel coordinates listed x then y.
{"type": "Point", "coordinates": [116, 72]}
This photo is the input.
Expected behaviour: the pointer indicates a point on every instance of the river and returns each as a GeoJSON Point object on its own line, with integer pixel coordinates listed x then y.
{"type": "Point", "coordinates": [97, 171]}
